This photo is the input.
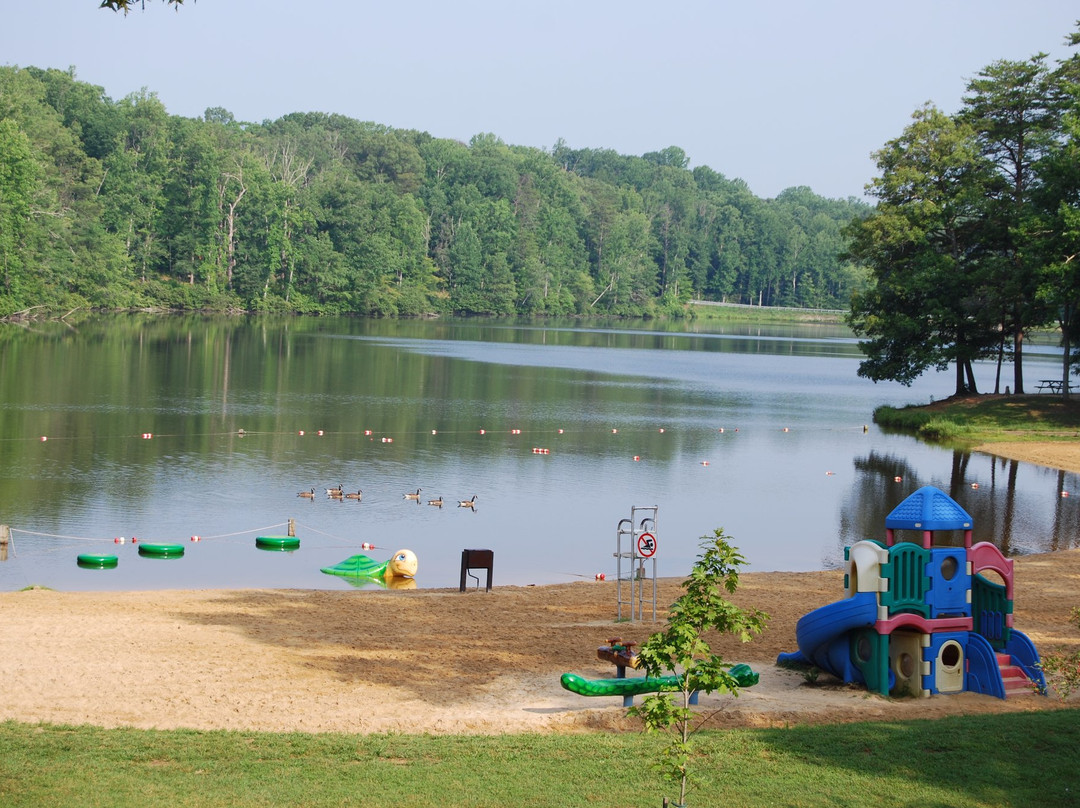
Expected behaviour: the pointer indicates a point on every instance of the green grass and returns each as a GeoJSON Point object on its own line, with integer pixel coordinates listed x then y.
{"type": "Point", "coordinates": [705, 313]}
{"type": "Point", "coordinates": [1018, 759]}
{"type": "Point", "coordinates": [985, 419]}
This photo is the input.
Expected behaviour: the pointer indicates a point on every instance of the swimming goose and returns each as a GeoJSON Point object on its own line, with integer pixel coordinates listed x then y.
{"type": "Point", "coordinates": [436, 502]}
{"type": "Point", "coordinates": [415, 496]}
{"type": "Point", "coordinates": [467, 503]}
{"type": "Point", "coordinates": [307, 494]}
{"type": "Point", "coordinates": [335, 492]}
{"type": "Point", "coordinates": [358, 495]}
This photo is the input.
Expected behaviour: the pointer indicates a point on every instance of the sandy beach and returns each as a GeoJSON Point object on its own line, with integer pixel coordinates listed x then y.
{"type": "Point", "coordinates": [439, 661]}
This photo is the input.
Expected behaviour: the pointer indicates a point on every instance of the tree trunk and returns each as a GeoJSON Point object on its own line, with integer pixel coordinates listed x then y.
{"type": "Point", "coordinates": [1018, 361]}
{"type": "Point", "coordinates": [1066, 345]}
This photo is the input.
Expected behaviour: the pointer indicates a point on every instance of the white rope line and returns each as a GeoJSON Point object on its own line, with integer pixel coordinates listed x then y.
{"type": "Point", "coordinates": [345, 543]}
{"type": "Point", "coordinates": [320, 532]}
{"type": "Point", "coordinates": [56, 535]}
{"type": "Point", "coordinates": [242, 532]}
{"type": "Point", "coordinates": [100, 539]}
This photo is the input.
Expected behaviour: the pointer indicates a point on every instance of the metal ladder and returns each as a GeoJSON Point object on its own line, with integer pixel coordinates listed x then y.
{"type": "Point", "coordinates": [632, 569]}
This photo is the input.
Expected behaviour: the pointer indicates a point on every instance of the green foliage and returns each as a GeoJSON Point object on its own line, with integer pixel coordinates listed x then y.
{"type": "Point", "coordinates": [972, 243]}
{"type": "Point", "coordinates": [1062, 669]}
{"type": "Point", "coordinates": [114, 202]}
{"type": "Point", "coordinates": [1062, 672]}
{"type": "Point", "coordinates": [942, 430]}
{"type": "Point", "coordinates": [811, 675]}
{"type": "Point", "coordinates": [682, 650]}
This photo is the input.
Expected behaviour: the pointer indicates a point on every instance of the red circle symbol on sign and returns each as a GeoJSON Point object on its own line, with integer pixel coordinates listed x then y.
{"type": "Point", "coordinates": [646, 545]}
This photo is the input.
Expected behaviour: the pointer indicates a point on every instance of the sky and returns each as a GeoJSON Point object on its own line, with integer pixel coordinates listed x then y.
{"type": "Point", "coordinates": [778, 94]}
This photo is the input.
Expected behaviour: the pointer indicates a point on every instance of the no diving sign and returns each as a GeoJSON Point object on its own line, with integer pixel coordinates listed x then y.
{"type": "Point", "coordinates": [646, 545]}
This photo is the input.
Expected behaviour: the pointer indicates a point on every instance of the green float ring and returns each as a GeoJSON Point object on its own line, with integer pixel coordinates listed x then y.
{"type": "Point", "coordinates": [277, 542]}
{"type": "Point", "coordinates": [161, 550]}
{"type": "Point", "coordinates": [96, 562]}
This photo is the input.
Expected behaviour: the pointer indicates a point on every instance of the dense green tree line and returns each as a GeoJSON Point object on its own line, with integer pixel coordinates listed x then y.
{"type": "Point", "coordinates": [118, 204]}
{"type": "Point", "coordinates": [974, 239]}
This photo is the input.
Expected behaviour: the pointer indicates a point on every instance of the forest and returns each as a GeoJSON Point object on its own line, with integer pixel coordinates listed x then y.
{"type": "Point", "coordinates": [118, 205]}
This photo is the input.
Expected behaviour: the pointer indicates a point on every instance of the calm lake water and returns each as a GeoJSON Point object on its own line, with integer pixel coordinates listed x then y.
{"type": "Point", "coordinates": [164, 428]}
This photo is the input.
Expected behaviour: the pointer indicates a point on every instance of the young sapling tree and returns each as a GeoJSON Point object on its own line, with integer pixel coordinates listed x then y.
{"type": "Point", "coordinates": [682, 650]}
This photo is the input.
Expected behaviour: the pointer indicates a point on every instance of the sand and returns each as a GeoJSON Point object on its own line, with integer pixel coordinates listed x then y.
{"type": "Point", "coordinates": [427, 661]}
{"type": "Point", "coordinates": [1055, 454]}
{"type": "Point", "coordinates": [440, 661]}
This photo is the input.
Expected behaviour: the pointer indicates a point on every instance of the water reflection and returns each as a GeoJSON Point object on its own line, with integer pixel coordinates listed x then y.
{"type": "Point", "coordinates": [1020, 507]}
{"type": "Point", "coordinates": [171, 427]}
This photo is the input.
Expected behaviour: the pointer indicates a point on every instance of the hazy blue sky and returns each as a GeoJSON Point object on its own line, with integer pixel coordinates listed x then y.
{"type": "Point", "coordinates": [778, 93]}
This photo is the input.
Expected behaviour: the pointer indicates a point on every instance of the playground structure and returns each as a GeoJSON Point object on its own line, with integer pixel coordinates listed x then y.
{"type": "Point", "coordinates": [922, 618]}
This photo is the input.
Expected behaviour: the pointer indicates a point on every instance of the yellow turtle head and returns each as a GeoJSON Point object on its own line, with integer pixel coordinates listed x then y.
{"type": "Point", "coordinates": [402, 565]}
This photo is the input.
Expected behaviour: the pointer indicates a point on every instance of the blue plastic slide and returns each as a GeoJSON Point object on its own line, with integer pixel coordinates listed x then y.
{"type": "Point", "coordinates": [822, 635]}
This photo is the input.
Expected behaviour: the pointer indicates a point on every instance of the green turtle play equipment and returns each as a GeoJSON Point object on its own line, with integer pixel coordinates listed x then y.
{"type": "Point", "coordinates": [402, 564]}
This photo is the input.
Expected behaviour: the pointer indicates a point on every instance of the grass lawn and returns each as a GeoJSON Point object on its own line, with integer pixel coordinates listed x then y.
{"type": "Point", "coordinates": [1019, 759]}
{"type": "Point", "coordinates": [985, 419]}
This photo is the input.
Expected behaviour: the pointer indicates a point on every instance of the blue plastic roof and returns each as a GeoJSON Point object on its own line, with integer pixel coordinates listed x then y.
{"type": "Point", "coordinates": [928, 508]}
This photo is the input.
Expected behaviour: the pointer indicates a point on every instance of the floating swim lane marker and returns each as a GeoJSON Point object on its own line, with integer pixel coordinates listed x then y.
{"type": "Point", "coordinates": [161, 550]}
{"type": "Point", "coordinates": [96, 562]}
{"type": "Point", "coordinates": [277, 542]}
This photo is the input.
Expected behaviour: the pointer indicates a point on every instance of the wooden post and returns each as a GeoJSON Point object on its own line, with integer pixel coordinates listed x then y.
{"type": "Point", "coordinates": [292, 526]}
{"type": "Point", "coordinates": [5, 540]}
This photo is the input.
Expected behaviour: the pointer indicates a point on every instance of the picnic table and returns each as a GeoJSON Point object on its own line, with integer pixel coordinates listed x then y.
{"type": "Point", "coordinates": [1051, 385]}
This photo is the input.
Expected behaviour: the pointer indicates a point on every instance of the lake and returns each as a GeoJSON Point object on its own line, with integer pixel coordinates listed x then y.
{"type": "Point", "coordinates": [166, 428]}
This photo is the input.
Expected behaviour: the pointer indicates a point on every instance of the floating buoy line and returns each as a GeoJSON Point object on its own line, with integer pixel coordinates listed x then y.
{"type": "Point", "coordinates": [387, 438]}
{"type": "Point", "coordinates": [175, 549]}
